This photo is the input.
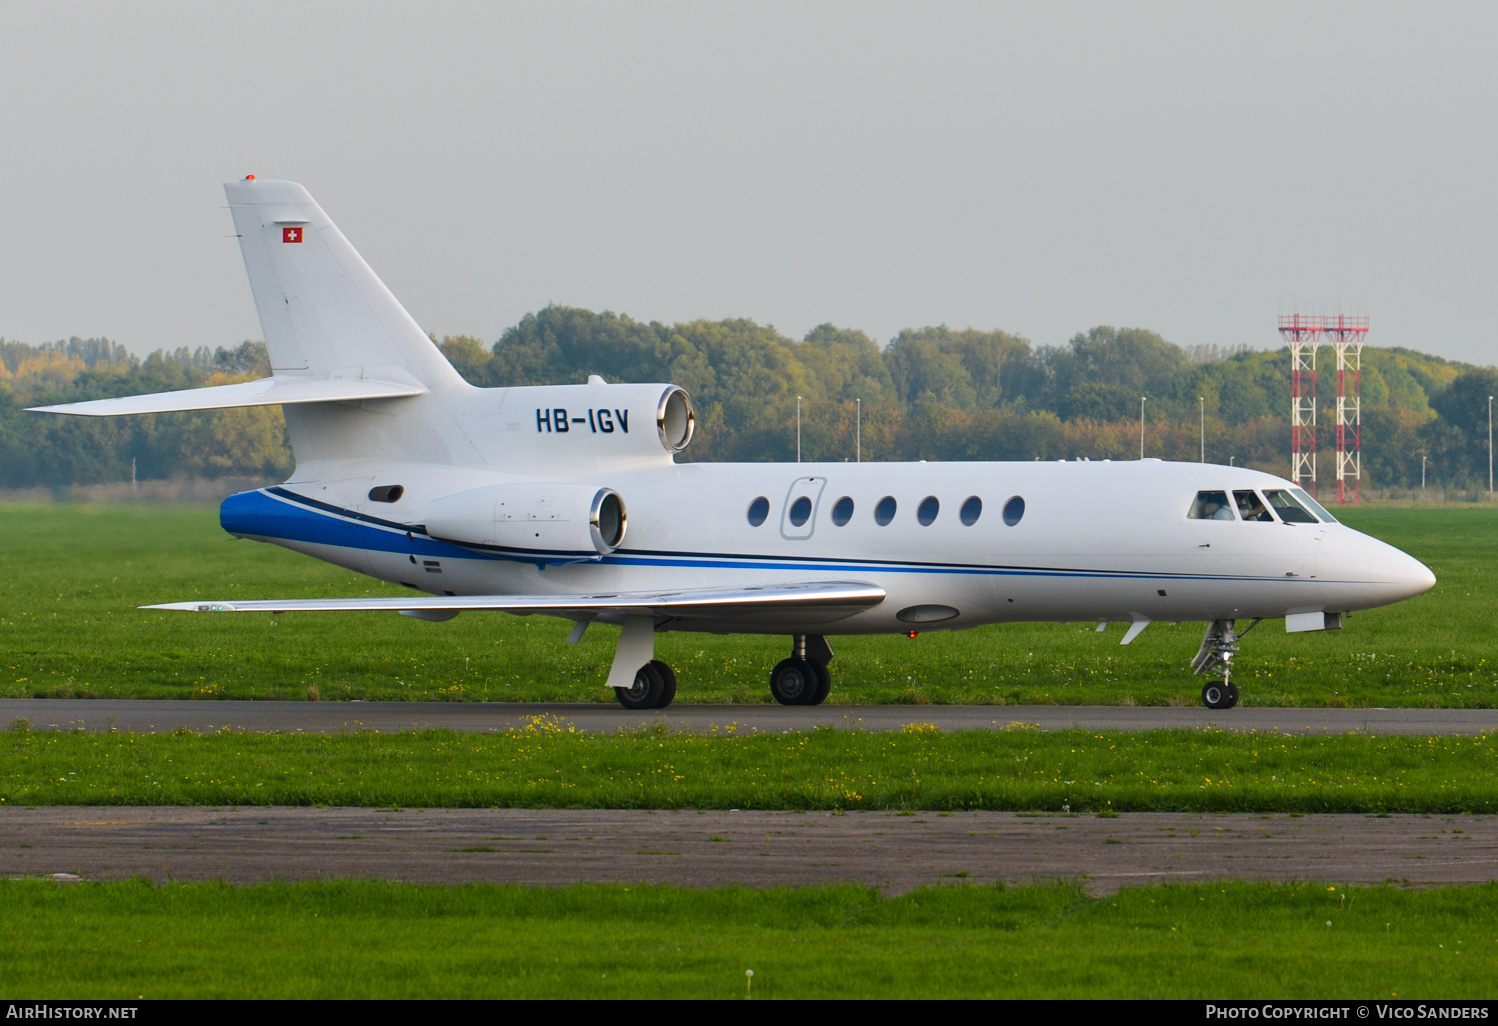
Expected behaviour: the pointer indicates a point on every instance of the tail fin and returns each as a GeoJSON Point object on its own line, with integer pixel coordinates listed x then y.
{"type": "Point", "coordinates": [323, 310]}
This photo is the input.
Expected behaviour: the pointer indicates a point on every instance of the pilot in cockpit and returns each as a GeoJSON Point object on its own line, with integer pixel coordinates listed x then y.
{"type": "Point", "coordinates": [1250, 508]}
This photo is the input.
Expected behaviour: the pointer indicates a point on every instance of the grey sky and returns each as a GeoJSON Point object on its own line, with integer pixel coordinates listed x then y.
{"type": "Point", "coordinates": [1041, 168]}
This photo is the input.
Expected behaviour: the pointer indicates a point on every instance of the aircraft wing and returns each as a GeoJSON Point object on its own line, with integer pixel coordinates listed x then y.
{"type": "Point", "coordinates": [262, 392]}
{"type": "Point", "coordinates": [818, 600]}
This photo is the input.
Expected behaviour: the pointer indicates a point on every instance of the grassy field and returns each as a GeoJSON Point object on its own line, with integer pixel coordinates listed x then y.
{"type": "Point", "coordinates": [71, 577]}
{"type": "Point", "coordinates": [549, 767]}
{"type": "Point", "coordinates": [386, 940]}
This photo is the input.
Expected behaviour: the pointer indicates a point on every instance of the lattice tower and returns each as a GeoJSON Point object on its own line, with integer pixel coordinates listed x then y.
{"type": "Point", "coordinates": [1302, 333]}
{"type": "Point", "coordinates": [1346, 336]}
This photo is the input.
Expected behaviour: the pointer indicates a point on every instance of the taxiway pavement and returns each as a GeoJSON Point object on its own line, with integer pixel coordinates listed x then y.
{"type": "Point", "coordinates": [334, 717]}
{"type": "Point", "coordinates": [894, 851]}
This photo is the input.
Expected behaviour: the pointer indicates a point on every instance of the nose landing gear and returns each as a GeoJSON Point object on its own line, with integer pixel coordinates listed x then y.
{"type": "Point", "coordinates": [1219, 645]}
{"type": "Point", "coordinates": [1223, 695]}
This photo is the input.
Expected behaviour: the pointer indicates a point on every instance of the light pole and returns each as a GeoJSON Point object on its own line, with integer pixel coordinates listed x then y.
{"type": "Point", "coordinates": [1203, 400]}
{"type": "Point", "coordinates": [1490, 448]}
{"type": "Point", "coordinates": [1422, 476]}
{"type": "Point", "coordinates": [858, 414]}
{"type": "Point", "coordinates": [1141, 427]}
{"type": "Point", "coordinates": [798, 429]}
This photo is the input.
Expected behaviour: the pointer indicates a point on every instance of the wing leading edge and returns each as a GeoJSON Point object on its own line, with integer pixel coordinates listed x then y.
{"type": "Point", "coordinates": [277, 391]}
{"type": "Point", "coordinates": [826, 601]}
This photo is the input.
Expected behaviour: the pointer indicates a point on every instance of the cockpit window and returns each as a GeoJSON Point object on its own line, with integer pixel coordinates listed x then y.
{"type": "Point", "coordinates": [1210, 506]}
{"type": "Point", "coordinates": [1314, 506]}
{"type": "Point", "coordinates": [1251, 507]}
{"type": "Point", "coordinates": [1290, 511]}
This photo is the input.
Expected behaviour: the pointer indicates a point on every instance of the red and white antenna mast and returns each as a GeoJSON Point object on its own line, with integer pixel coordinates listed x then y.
{"type": "Point", "coordinates": [1302, 333]}
{"type": "Point", "coordinates": [1346, 335]}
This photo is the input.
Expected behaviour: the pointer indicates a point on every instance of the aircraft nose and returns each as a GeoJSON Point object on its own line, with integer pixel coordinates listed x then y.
{"type": "Point", "coordinates": [1392, 575]}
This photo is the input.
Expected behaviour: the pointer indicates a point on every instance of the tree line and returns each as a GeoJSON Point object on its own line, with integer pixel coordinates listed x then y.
{"type": "Point", "coordinates": [932, 393]}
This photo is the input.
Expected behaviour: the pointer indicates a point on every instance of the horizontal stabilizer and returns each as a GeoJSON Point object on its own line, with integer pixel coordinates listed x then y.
{"type": "Point", "coordinates": [277, 391]}
{"type": "Point", "coordinates": [698, 603]}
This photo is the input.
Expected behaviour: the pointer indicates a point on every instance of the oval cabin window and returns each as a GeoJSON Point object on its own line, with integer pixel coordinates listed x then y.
{"type": "Point", "coordinates": [1014, 509]}
{"type": "Point", "coordinates": [842, 511]}
{"type": "Point", "coordinates": [800, 511]}
{"type": "Point", "coordinates": [971, 510]}
{"type": "Point", "coordinates": [926, 512]}
{"type": "Point", "coordinates": [885, 511]}
{"type": "Point", "coordinates": [758, 510]}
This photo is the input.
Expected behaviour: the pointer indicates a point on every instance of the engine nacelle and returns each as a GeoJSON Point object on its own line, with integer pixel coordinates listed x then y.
{"type": "Point", "coordinates": [586, 426]}
{"type": "Point", "coordinates": [532, 520]}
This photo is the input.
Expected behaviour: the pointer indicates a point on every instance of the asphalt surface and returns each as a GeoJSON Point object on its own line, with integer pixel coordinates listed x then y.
{"type": "Point", "coordinates": [893, 851]}
{"type": "Point", "coordinates": [335, 717]}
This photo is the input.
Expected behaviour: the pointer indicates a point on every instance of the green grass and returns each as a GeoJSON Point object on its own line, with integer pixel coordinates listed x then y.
{"type": "Point", "coordinates": [71, 577]}
{"type": "Point", "coordinates": [548, 767]}
{"type": "Point", "coordinates": [122, 941]}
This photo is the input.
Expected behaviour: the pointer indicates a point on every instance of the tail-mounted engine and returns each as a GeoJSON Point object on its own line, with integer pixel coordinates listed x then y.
{"type": "Point", "coordinates": [544, 522]}
{"type": "Point", "coordinates": [592, 425]}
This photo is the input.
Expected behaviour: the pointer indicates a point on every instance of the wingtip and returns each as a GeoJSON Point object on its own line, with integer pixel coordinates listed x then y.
{"type": "Point", "coordinates": [193, 607]}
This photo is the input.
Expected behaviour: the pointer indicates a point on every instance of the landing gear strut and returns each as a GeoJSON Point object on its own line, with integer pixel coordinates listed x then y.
{"type": "Point", "coordinates": [803, 679]}
{"type": "Point", "coordinates": [654, 687]}
{"type": "Point", "coordinates": [1219, 645]}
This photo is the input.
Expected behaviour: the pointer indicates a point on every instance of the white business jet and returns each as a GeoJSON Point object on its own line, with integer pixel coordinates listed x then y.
{"type": "Point", "coordinates": [567, 500]}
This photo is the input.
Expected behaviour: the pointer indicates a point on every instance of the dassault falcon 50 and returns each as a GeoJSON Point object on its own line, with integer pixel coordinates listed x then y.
{"type": "Point", "coordinates": [568, 501]}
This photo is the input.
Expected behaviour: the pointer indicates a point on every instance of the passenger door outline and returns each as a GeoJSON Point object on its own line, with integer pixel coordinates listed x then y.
{"type": "Point", "coordinates": [803, 487]}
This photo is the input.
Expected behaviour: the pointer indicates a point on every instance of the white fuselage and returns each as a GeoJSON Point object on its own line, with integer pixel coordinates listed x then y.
{"type": "Point", "coordinates": [1097, 541]}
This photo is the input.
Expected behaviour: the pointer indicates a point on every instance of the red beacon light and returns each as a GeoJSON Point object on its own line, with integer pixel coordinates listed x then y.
{"type": "Point", "coordinates": [249, 178]}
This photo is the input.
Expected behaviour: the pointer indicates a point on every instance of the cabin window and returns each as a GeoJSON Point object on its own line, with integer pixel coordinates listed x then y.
{"type": "Point", "coordinates": [800, 511]}
{"type": "Point", "coordinates": [927, 510]}
{"type": "Point", "coordinates": [1210, 506]}
{"type": "Point", "coordinates": [758, 510]}
{"type": "Point", "coordinates": [1014, 509]}
{"type": "Point", "coordinates": [885, 511]}
{"type": "Point", "coordinates": [1314, 506]}
{"type": "Point", "coordinates": [971, 510]}
{"type": "Point", "coordinates": [386, 493]}
{"type": "Point", "coordinates": [1290, 511]}
{"type": "Point", "coordinates": [1251, 507]}
{"type": "Point", "coordinates": [842, 511]}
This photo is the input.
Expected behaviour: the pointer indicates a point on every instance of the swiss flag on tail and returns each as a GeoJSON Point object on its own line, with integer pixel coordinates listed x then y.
{"type": "Point", "coordinates": [291, 233]}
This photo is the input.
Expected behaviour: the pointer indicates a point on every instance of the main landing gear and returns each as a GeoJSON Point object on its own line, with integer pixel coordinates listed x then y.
{"type": "Point", "coordinates": [654, 687]}
{"type": "Point", "coordinates": [803, 679]}
{"type": "Point", "coordinates": [1219, 645]}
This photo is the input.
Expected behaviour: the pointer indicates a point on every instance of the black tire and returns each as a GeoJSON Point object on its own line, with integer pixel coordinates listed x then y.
{"type": "Point", "coordinates": [1232, 696]}
{"type": "Point", "coordinates": [668, 682]}
{"type": "Point", "coordinates": [793, 681]}
{"type": "Point", "coordinates": [646, 690]}
{"type": "Point", "coordinates": [1218, 694]}
{"type": "Point", "coordinates": [824, 683]}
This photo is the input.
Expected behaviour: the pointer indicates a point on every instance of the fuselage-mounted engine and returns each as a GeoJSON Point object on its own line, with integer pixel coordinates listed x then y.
{"type": "Point", "coordinates": [543, 522]}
